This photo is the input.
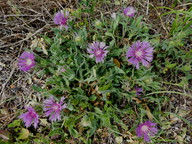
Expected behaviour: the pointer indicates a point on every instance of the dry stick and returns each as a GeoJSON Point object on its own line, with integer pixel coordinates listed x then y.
{"type": "Point", "coordinates": [60, 5]}
{"type": "Point", "coordinates": [19, 15]}
{"type": "Point", "coordinates": [160, 19]}
{"type": "Point", "coordinates": [10, 75]}
{"type": "Point", "coordinates": [147, 11]}
{"type": "Point", "coordinates": [32, 10]}
{"type": "Point", "coordinates": [39, 30]}
{"type": "Point", "coordinates": [184, 4]}
{"type": "Point", "coordinates": [45, 9]}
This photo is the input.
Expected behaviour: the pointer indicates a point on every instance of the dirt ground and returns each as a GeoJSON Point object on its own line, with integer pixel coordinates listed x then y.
{"type": "Point", "coordinates": [21, 21]}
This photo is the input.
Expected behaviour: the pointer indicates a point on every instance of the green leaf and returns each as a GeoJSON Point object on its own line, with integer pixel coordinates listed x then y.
{"type": "Point", "coordinates": [109, 34]}
{"type": "Point", "coordinates": [90, 79]}
{"type": "Point", "coordinates": [48, 40]}
{"type": "Point", "coordinates": [111, 44]}
{"type": "Point", "coordinates": [93, 98]}
{"type": "Point", "coordinates": [119, 71]}
{"type": "Point", "coordinates": [70, 107]}
{"type": "Point", "coordinates": [85, 122]}
{"type": "Point", "coordinates": [15, 123]}
{"type": "Point", "coordinates": [186, 68]}
{"type": "Point", "coordinates": [116, 22]}
{"type": "Point", "coordinates": [81, 97]}
{"type": "Point", "coordinates": [98, 111]}
{"type": "Point", "coordinates": [24, 134]}
{"type": "Point", "coordinates": [170, 66]}
{"type": "Point", "coordinates": [37, 88]}
{"type": "Point", "coordinates": [93, 129]}
{"type": "Point", "coordinates": [55, 131]}
{"type": "Point", "coordinates": [117, 52]}
{"type": "Point", "coordinates": [74, 132]}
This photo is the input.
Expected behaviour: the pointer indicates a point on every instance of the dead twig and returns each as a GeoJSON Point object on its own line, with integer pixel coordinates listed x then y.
{"type": "Point", "coordinates": [16, 43]}
{"type": "Point", "coordinates": [147, 11]}
{"type": "Point", "coordinates": [10, 75]}
{"type": "Point", "coordinates": [160, 19]}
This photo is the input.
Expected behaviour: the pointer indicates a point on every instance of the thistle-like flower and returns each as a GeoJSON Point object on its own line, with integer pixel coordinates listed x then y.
{"type": "Point", "coordinates": [129, 11]}
{"type": "Point", "coordinates": [26, 61]}
{"type": "Point", "coordinates": [61, 18]}
{"type": "Point", "coordinates": [98, 24]}
{"type": "Point", "coordinates": [77, 38]}
{"type": "Point", "coordinates": [114, 15]}
{"type": "Point", "coordinates": [30, 117]}
{"type": "Point", "coordinates": [146, 130]}
{"type": "Point", "coordinates": [140, 52]}
{"type": "Point", "coordinates": [62, 69]}
{"type": "Point", "coordinates": [98, 50]}
{"type": "Point", "coordinates": [138, 90]}
{"type": "Point", "coordinates": [53, 109]}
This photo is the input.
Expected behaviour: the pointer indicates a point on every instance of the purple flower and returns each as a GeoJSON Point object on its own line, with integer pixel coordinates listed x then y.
{"type": "Point", "coordinates": [138, 90]}
{"type": "Point", "coordinates": [97, 50]}
{"type": "Point", "coordinates": [146, 129]}
{"type": "Point", "coordinates": [129, 11]}
{"type": "Point", "coordinates": [53, 109]}
{"type": "Point", "coordinates": [26, 61]}
{"type": "Point", "coordinates": [140, 52]}
{"type": "Point", "coordinates": [61, 19]}
{"type": "Point", "coordinates": [30, 117]}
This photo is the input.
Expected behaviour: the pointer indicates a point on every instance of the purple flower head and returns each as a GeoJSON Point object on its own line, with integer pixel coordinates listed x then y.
{"type": "Point", "coordinates": [146, 129]}
{"type": "Point", "coordinates": [61, 19]}
{"type": "Point", "coordinates": [129, 11]}
{"type": "Point", "coordinates": [26, 61]}
{"type": "Point", "coordinates": [138, 90]}
{"type": "Point", "coordinates": [62, 69]}
{"type": "Point", "coordinates": [98, 50]}
{"type": "Point", "coordinates": [53, 109]}
{"type": "Point", "coordinates": [140, 52]}
{"type": "Point", "coordinates": [30, 117]}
